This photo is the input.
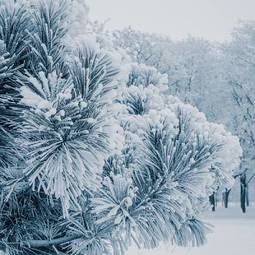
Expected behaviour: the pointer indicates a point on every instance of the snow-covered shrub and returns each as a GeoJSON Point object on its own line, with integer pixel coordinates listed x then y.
{"type": "Point", "coordinates": [94, 164]}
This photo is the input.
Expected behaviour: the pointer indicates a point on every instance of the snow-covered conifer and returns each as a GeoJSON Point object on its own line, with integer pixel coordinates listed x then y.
{"type": "Point", "coordinates": [97, 161]}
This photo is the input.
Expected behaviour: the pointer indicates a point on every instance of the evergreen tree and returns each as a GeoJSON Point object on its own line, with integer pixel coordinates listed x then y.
{"type": "Point", "coordinates": [87, 167]}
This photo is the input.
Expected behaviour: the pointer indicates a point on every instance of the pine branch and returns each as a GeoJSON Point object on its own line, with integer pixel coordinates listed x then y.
{"type": "Point", "coordinates": [48, 243]}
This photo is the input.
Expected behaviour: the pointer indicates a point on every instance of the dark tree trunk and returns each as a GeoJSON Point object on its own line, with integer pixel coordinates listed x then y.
{"type": "Point", "coordinates": [243, 192]}
{"type": "Point", "coordinates": [225, 196]}
{"type": "Point", "coordinates": [247, 195]}
{"type": "Point", "coordinates": [212, 200]}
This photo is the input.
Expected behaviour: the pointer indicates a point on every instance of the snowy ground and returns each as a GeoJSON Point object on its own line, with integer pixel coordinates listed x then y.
{"type": "Point", "coordinates": [234, 234]}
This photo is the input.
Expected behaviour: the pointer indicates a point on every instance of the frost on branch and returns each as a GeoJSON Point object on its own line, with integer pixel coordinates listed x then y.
{"type": "Point", "coordinates": [65, 130]}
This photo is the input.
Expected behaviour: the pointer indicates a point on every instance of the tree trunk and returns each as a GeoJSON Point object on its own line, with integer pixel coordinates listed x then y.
{"type": "Point", "coordinates": [243, 188]}
{"type": "Point", "coordinates": [247, 195]}
{"type": "Point", "coordinates": [212, 200]}
{"type": "Point", "coordinates": [225, 196]}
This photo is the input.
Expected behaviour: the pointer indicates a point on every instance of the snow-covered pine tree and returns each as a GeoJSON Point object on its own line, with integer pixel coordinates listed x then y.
{"type": "Point", "coordinates": [88, 167]}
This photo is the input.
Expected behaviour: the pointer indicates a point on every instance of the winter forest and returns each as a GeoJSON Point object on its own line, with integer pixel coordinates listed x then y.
{"type": "Point", "coordinates": [122, 141]}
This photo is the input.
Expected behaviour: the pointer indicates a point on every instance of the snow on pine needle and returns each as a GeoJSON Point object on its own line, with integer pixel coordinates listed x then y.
{"type": "Point", "coordinates": [65, 131]}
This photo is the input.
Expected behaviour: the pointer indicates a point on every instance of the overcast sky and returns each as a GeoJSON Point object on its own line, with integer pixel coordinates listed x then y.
{"type": "Point", "coordinates": [210, 19]}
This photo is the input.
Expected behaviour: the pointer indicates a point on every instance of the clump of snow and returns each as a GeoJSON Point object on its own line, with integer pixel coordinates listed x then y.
{"type": "Point", "coordinates": [141, 74]}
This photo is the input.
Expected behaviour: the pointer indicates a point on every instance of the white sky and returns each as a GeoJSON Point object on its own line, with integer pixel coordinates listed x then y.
{"type": "Point", "coordinates": [210, 19]}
